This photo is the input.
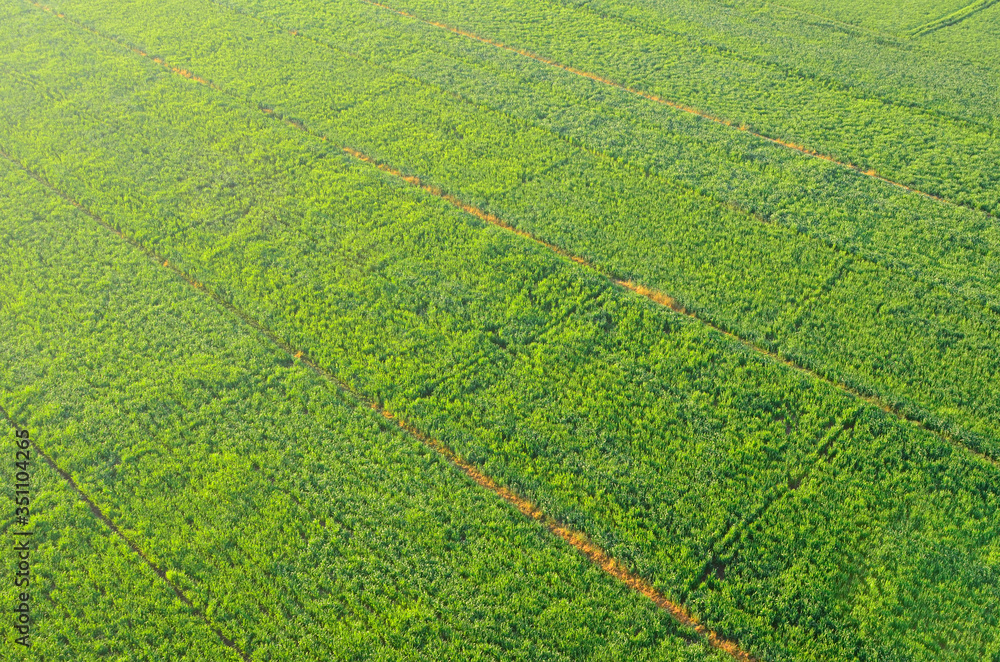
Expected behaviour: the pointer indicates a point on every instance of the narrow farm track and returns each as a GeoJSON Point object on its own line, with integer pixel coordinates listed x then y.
{"type": "Point", "coordinates": [99, 514]}
{"type": "Point", "coordinates": [730, 204]}
{"type": "Point", "coordinates": [952, 19]}
{"type": "Point", "coordinates": [653, 295]}
{"type": "Point", "coordinates": [575, 538]}
{"type": "Point", "coordinates": [802, 149]}
{"type": "Point", "coordinates": [840, 24]}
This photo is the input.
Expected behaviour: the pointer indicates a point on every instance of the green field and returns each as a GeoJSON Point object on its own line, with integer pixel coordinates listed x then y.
{"type": "Point", "coordinates": [496, 330]}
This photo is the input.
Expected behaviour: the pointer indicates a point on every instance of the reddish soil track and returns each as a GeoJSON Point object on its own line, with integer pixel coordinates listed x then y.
{"type": "Point", "coordinates": [596, 555]}
{"type": "Point", "coordinates": [660, 100]}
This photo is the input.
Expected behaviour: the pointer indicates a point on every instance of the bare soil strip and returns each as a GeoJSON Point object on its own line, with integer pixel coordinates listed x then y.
{"type": "Point", "coordinates": [577, 539]}
{"type": "Point", "coordinates": [99, 514]}
{"type": "Point", "coordinates": [672, 104]}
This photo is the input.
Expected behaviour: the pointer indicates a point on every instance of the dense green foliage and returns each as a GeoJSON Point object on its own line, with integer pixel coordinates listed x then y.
{"type": "Point", "coordinates": [686, 455]}
{"type": "Point", "coordinates": [889, 16]}
{"type": "Point", "coordinates": [943, 73]}
{"type": "Point", "coordinates": [907, 233]}
{"type": "Point", "coordinates": [893, 304]}
{"type": "Point", "coordinates": [302, 526]}
{"type": "Point", "coordinates": [790, 516]}
{"type": "Point", "coordinates": [930, 152]}
{"type": "Point", "coordinates": [92, 597]}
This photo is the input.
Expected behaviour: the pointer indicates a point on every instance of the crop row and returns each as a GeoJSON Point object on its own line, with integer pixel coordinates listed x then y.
{"type": "Point", "coordinates": [930, 242]}
{"type": "Point", "coordinates": [855, 322]}
{"type": "Point", "coordinates": [673, 448]}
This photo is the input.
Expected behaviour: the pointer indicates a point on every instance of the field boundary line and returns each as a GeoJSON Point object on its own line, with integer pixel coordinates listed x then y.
{"type": "Point", "coordinates": [626, 163]}
{"type": "Point", "coordinates": [96, 511]}
{"type": "Point", "coordinates": [825, 451]}
{"type": "Point", "coordinates": [743, 127]}
{"type": "Point", "coordinates": [842, 24]}
{"type": "Point", "coordinates": [952, 19]}
{"type": "Point", "coordinates": [651, 294]}
{"type": "Point", "coordinates": [575, 538]}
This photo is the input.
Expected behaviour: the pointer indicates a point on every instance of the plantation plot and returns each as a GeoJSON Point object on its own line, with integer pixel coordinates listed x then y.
{"type": "Point", "coordinates": [918, 150]}
{"type": "Point", "coordinates": [476, 330]}
{"type": "Point", "coordinates": [974, 36]}
{"type": "Point", "coordinates": [906, 233]}
{"type": "Point", "coordinates": [710, 258]}
{"type": "Point", "coordinates": [300, 525]}
{"type": "Point", "coordinates": [656, 436]}
{"type": "Point", "coordinates": [862, 534]}
{"type": "Point", "coordinates": [93, 598]}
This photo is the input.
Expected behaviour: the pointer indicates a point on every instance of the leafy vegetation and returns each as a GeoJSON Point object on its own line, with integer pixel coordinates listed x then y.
{"type": "Point", "coordinates": [299, 524]}
{"type": "Point", "coordinates": [788, 515]}
{"type": "Point", "coordinates": [911, 319]}
{"type": "Point", "coordinates": [925, 151]}
{"type": "Point", "coordinates": [936, 73]}
{"type": "Point", "coordinates": [92, 597]}
{"type": "Point", "coordinates": [892, 17]}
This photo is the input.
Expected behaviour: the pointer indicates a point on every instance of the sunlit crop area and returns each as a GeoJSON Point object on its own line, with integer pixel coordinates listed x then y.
{"type": "Point", "coordinates": [500, 330]}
